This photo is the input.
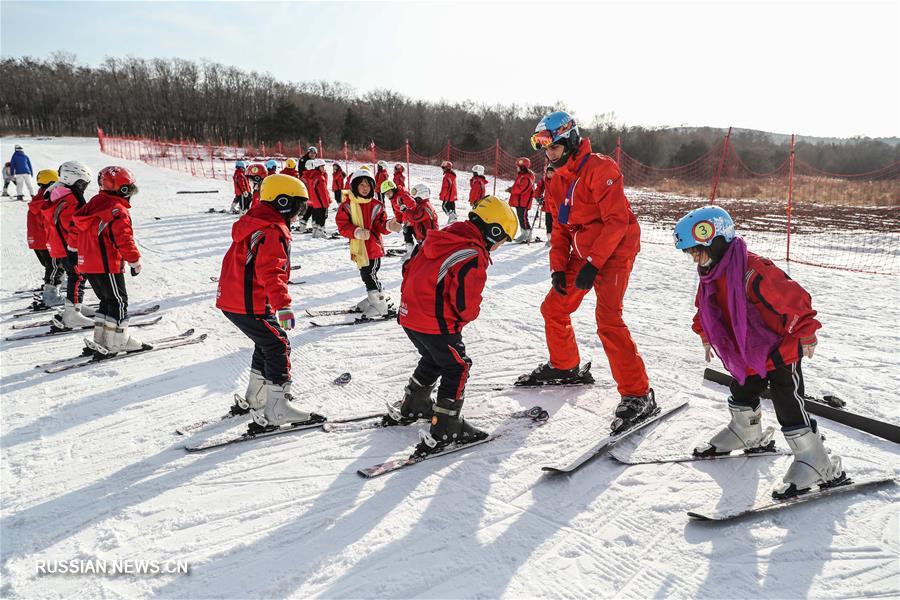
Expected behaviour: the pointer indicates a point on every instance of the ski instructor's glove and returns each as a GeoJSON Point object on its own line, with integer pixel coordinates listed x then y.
{"type": "Point", "coordinates": [559, 282]}
{"type": "Point", "coordinates": [586, 276]}
{"type": "Point", "coordinates": [135, 268]}
{"type": "Point", "coordinates": [285, 317]}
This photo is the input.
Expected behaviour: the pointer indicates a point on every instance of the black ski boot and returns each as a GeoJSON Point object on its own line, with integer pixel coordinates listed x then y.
{"type": "Point", "coordinates": [547, 374]}
{"type": "Point", "coordinates": [416, 404]}
{"type": "Point", "coordinates": [633, 409]}
{"type": "Point", "coordinates": [447, 428]}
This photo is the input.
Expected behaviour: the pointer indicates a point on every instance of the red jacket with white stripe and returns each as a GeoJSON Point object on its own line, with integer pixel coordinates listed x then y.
{"type": "Point", "coordinates": [477, 187]}
{"type": "Point", "coordinates": [316, 188]}
{"type": "Point", "coordinates": [37, 224]}
{"type": "Point", "coordinates": [444, 280]}
{"type": "Point", "coordinates": [399, 179]}
{"type": "Point", "coordinates": [785, 307]}
{"type": "Point", "coordinates": [421, 219]}
{"type": "Point", "coordinates": [105, 236]}
{"type": "Point", "coordinates": [58, 212]}
{"type": "Point", "coordinates": [241, 183]}
{"type": "Point", "coordinates": [257, 266]}
{"type": "Point", "coordinates": [522, 191]}
{"type": "Point", "coordinates": [448, 187]}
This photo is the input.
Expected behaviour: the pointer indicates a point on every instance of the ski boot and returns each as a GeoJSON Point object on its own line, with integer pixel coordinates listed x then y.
{"type": "Point", "coordinates": [118, 340]}
{"type": "Point", "coordinates": [254, 398]}
{"type": "Point", "coordinates": [50, 296]}
{"type": "Point", "coordinates": [409, 251]}
{"type": "Point", "coordinates": [71, 318]}
{"type": "Point", "coordinates": [451, 217]}
{"type": "Point", "coordinates": [547, 374]}
{"type": "Point", "coordinates": [811, 466]}
{"type": "Point", "coordinates": [416, 404]}
{"type": "Point", "coordinates": [633, 409]}
{"type": "Point", "coordinates": [744, 432]}
{"type": "Point", "coordinates": [447, 428]}
{"type": "Point", "coordinates": [319, 233]}
{"type": "Point", "coordinates": [279, 410]}
{"type": "Point", "coordinates": [99, 341]}
{"type": "Point", "coordinates": [378, 306]}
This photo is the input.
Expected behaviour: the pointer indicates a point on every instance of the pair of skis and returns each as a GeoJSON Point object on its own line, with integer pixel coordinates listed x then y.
{"type": "Point", "coordinates": [359, 320]}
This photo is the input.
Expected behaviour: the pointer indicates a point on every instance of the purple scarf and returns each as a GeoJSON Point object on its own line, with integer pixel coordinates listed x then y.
{"type": "Point", "coordinates": [749, 341]}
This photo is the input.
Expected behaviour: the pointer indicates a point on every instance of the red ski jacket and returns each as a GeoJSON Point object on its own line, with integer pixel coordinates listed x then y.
{"type": "Point", "coordinates": [257, 266]}
{"type": "Point", "coordinates": [601, 227]}
{"type": "Point", "coordinates": [542, 190]}
{"type": "Point", "coordinates": [337, 180]}
{"type": "Point", "coordinates": [241, 183]}
{"type": "Point", "coordinates": [786, 309]}
{"type": "Point", "coordinates": [58, 212]}
{"type": "Point", "coordinates": [37, 224]}
{"type": "Point", "coordinates": [315, 185]}
{"type": "Point", "coordinates": [402, 203]}
{"type": "Point", "coordinates": [105, 235]}
{"type": "Point", "coordinates": [421, 218]}
{"type": "Point", "coordinates": [400, 180]}
{"type": "Point", "coordinates": [374, 219]}
{"type": "Point", "coordinates": [448, 187]}
{"type": "Point", "coordinates": [477, 188]}
{"type": "Point", "coordinates": [381, 176]}
{"type": "Point", "coordinates": [522, 191]}
{"type": "Point", "coordinates": [291, 172]}
{"type": "Point", "coordinates": [444, 280]}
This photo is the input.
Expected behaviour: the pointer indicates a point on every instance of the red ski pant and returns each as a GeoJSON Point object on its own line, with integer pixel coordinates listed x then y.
{"type": "Point", "coordinates": [624, 361]}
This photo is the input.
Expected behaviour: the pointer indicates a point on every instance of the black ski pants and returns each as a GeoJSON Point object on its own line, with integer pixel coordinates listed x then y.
{"type": "Point", "coordinates": [449, 207]}
{"type": "Point", "coordinates": [74, 279]}
{"type": "Point", "coordinates": [522, 213]}
{"type": "Point", "coordinates": [110, 288]}
{"type": "Point", "coordinates": [548, 220]}
{"type": "Point", "coordinates": [319, 215]}
{"type": "Point", "coordinates": [441, 356]}
{"type": "Point", "coordinates": [786, 384]}
{"type": "Point", "coordinates": [53, 268]}
{"type": "Point", "coordinates": [369, 275]}
{"type": "Point", "coordinates": [272, 349]}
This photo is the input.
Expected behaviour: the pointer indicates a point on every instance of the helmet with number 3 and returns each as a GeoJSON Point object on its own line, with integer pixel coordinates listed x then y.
{"type": "Point", "coordinates": [701, 226]}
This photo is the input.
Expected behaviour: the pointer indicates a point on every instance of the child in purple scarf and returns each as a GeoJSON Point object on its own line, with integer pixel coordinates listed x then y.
{"type": "Point", "coordinates": [761, 324]}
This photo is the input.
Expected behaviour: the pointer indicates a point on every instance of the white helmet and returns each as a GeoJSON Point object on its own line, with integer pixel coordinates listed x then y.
{"type": "Point", "coordinates": [478, 170]}
{"type": "Point", "coordinates": [312, 149]}
{"type": "Point", "coordinates": [73, 171]}
{"type": "Point", "coordinates": [319, 162]}
{"type": "Point", "coordinates": [310, 164]}
{"type": "Point", "coordinates": [420, 190]}
{"type": "Point", "coordinates": [382, 164]}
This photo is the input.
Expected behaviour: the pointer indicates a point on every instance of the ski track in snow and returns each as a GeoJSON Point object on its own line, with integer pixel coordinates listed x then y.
{"type": "Point", "coordinates": [92, 468]}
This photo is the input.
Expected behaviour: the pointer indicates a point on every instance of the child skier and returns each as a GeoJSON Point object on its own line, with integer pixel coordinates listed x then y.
{"type": "Point", "coordinates": [448, 191]}
{"type": "Point", "coordinates": [38, 240]}
{"type": "Point", "coordinates": [441, 293]}
{"type": "Point", "coordinates": [401, 202]}
{"type": "Point", "coordinates": [314, 177]}
{"type": "Point", "coordinates": [761, 324]}
{"type": "Point", "coordinates": [290, 168]}
{"type": "Point", "coordinates": [253, 294]}
{"type": "Point", "coordinates": [337, 181]}
{"type": "Point", "coordinates": [255, 174]}
{"type": "Point", "coordinates": [66, 197]}
{"type": "Point", "coordinates": [477, 185]}
{"type": "Point", "coordinates": [362, 219]}
{"type": "Point", "coordinates": [399, 177]}
{"type": "Point", "coordinates": [545, 201]}
{"type": "Point", "coordinates": [271, 167]}
{"type": "Point", "coordinates": [520, 196]}
{"type": "Point", "coordinates": [381, 175]}
{"type": "Point", "coordinates": [421, 218]}
{"type": "Point", "coordinates": [242, 191]}
{"type": "Point", "coordinates": [105, 244]}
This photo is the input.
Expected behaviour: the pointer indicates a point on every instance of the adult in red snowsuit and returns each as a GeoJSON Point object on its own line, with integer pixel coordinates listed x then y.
{"type": "Point", "coordinates": [594, 248]}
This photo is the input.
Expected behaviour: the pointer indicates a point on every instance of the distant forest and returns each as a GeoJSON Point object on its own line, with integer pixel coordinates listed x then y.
{"type": "Point", "coordinates": [209, 102]}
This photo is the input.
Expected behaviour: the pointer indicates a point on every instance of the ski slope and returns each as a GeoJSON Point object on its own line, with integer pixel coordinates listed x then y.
{"type": "Point", "coordinates": [92, 469]}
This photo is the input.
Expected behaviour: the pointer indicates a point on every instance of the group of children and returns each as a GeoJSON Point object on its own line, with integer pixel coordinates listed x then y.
{"type": "Point", "coordinates": [89, 240]}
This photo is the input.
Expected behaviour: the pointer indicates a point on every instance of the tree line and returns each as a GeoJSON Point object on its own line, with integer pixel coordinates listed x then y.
{"type": "Point", "coordinates": [209, 102]}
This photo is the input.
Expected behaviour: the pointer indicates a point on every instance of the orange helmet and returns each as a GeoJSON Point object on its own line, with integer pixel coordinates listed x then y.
{"type": "Point", "coordinates": [524, 162]}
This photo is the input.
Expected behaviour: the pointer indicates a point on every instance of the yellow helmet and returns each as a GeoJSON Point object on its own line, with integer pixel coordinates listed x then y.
{"type": "Point", "coordinates": [287, 194]}
{"type": "Point", "coordinates": [47, 176]}
{"type": "Point", "coordinates": [387, 185]}
{"type": "Point", "coordinates": [290, 163]}
{"type": "Point", "coordinates": [497, 221]}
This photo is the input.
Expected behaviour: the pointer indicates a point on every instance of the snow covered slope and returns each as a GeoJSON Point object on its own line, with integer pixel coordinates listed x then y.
{"type": "Point", "coordinates": [92, 469]}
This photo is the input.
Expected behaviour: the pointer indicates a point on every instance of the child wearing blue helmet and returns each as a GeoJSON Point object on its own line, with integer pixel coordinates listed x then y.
{"type": "Point", "coordinates": [760, 323]}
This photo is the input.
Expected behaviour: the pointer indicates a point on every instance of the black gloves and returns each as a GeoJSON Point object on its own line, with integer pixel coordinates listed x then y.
{"type": "Point", "coordinates": [586, 276]}
{"type": "Point", "coordinates": [559, 282]}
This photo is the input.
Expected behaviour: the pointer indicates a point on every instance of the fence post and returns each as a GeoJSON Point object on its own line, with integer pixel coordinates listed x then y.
{"type": "Point", "coordinates": [790, 203]}
{"type": "Point", "coordinates": [619, 151]}
{"type": "Point", "coordinates": [373, 156]}
{"type": "Point", "coordinates": [346, 158]}
{"type": "Point", "coordinates": [408, 172]}
{"type": "Point", "coordinates": [496, 164]}
{"type": "Point", "coordinates": [715, 186]}
{"type": "Point", "coordinates": [321, 149]}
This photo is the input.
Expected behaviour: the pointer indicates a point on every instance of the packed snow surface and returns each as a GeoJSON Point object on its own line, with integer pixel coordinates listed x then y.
{"type": "Point", "coordinates": [92, 468]}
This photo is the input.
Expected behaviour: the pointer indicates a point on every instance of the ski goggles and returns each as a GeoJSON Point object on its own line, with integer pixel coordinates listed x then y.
{"type": "Point", "coordinates": [542, 139]}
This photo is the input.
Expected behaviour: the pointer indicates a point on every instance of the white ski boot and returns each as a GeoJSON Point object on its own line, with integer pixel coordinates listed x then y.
{"type": "Point", "coordinates": [520, 239]}
{"type": "Point", "coordinates": [120, 341]}
{"type": "Point", "coordinates": [362, 305]}
{"type": "Point", "coordinates": [255, 396]}
{"type": "Point", "coordinates": [50, 295]}
{"type": "Point", "coordinates": [319, 233]}
{"type": "Point", "coordinates": [71, 318]}
{"type": "Point", "coordinates": [409, 251]}
{"type": "Point", "coordinates": [378, 306]}
{"type": "Point", "coordinates": [98, 343]}
{"type": "Point", "coordinates": [280, 409]}
{"type": "Point", "coordinates": [812, 465]}
{"type": "Point", "coordinates": [451, 217]}
{"type": "Point", "coordinates": [743, 432]}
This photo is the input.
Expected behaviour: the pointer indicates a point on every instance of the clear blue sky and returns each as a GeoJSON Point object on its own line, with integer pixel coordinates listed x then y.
{"type": "Point", "coordinates": [814, 68]}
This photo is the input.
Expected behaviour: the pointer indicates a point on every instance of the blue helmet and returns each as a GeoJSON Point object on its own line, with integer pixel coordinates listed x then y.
{"type": "Point", "coordinates": [701, 226]}
{"type": "Point", "coordinates": [557, 128]}
{"type": "Point", "coordinates": [240, 165]}
{"type": "Point", "coordinates": [271, 164]}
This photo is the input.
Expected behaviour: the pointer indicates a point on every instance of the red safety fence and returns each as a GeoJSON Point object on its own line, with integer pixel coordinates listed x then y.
{"type": "Point", "coordinates": [795, 212]}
